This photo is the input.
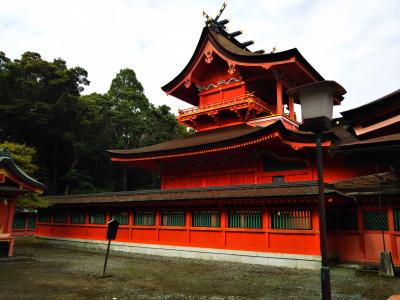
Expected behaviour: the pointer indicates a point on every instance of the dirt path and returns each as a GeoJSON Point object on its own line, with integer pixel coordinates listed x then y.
{"type": "Point", "coordinates": [58, 273]}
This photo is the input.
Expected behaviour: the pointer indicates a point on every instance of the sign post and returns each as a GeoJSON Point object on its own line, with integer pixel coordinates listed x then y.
{"type": "Point", "coordinates": [111, 235]}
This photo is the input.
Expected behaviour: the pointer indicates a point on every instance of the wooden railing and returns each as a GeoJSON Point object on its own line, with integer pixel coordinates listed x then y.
{"type": "Point", "coordinates": [247, 98]}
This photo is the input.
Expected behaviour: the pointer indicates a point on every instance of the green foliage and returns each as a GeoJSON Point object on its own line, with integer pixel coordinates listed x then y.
{"type": "Point", "coordinates": [41, 105]}
{"type": "Point", "coordinates": [31, 201]}
{"type": "Point", "coordinates": [22, 156]}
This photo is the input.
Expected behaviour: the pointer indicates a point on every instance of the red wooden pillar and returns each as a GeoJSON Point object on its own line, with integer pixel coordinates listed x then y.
{"type": "Point", "coordinates": [279, 97]}
{"type": "Point", "coordinates": [11, 209]}
{"type": "Point", "coordinates": [87, 217]}
{"type": "Point", "coordinates": [224, 224]}
{"type": "Point", "coordinates": [158, 223]}
{"type": "Point", "coordinates": [131, 222]}
{"type": "Point", "coordinates": [266, 225]}
{"type": "Point", "coordinates": [188, 224]}
{"type": "Point", "coordinates": [158, 218]}
{"type": "Point", "coordinates": [393, 245]}
{"type": "Point", "coordinates": [291, 109]}
{"type": "Point", "coordinates": [315, 226]}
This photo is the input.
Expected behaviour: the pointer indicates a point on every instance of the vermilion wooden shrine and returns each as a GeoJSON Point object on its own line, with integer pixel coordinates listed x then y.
{"type": "Point", "coordinates": [243, 187]}
{"type": "Point", "coordinates": [13, 182]}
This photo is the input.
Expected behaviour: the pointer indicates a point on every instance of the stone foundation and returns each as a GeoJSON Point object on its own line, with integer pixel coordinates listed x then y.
{"type": "Point", "coordinates": [249, 257]}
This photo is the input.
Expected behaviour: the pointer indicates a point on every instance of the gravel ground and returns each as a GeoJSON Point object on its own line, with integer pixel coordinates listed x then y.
{"type": "Point", "coordinates": [59, 273]}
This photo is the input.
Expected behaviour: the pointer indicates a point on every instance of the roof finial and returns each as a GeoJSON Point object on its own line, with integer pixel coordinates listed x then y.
{"type": "Point", "coordinates": [220, 11]}
{"type": "Point", "coordinates": [213, 23]}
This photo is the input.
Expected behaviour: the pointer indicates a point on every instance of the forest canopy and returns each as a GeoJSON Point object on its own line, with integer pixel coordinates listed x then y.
{"type": "Point", "coordinates": [42, 107]}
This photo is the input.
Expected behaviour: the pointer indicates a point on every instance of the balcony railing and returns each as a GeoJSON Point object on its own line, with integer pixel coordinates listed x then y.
{"type": "Point", "coordinates": [246, 99]}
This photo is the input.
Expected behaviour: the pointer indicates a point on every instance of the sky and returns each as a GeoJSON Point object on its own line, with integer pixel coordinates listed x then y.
{"type": "Point", "coordinates": [354, 42]}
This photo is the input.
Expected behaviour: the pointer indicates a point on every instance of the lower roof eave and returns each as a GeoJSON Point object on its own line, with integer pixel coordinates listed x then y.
{"type": "Point", "coordinates": [246, 194]}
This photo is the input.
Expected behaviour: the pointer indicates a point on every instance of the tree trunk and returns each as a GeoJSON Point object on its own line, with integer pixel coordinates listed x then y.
{"type": "Point", "coordinates": [71, 169]}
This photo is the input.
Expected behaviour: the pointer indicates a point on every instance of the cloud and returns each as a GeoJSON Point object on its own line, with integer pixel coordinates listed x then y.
{"type": "Point", "coordinates": [353, 42]}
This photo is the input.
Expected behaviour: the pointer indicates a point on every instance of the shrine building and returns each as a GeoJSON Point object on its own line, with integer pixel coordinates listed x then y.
{"type": "Point", "coordinates": [13, 183]}
{"type": "Point", "coordinates": [244, 186]}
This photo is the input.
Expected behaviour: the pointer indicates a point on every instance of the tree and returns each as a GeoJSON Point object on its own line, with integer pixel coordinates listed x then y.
{"type": "Point", "coordinates": [135, 122]}
{"type": "Point", "coordinates": [38, 106]}
{"type": "Point", "coordinates": [41, 106]}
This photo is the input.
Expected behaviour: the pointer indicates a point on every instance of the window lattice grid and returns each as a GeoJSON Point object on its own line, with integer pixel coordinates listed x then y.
{"type": "Point", "coordinates": [78, 217]}
{"type": "Point", "coordinates": [145, 218]}
{"type": "Point", "coordinates": [245, 219]}
{"type": "Point", "coordinates": [206, 219]}
{"type": "Point", "coordinates": [176, 218]}
{"type": "Point", "coordinates": [97, 218]}
{"type": "Point", "coordinates": [342, 220]}
{"type": "Point", "coordinates": [60, 217]}
{"type": "Point", "coordinates": [376, 220]}
{"type": "Point", "coordinates": [44, 216]}
{"type": "Point", "coordinates": [121, 216]}
{"type": "Point", "coordinates": [31, 222]}
{"type": "Point", "coordinates": [291, 219]}
{"type": "Point", "coordinates": [18, 222]}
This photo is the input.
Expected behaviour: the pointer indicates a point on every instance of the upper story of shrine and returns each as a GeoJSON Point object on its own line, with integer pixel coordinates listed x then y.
{"type": "Point", "coordinates": [228, 84]}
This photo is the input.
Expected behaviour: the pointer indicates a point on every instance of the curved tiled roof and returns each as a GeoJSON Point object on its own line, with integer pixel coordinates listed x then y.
{"type": "Point", "coordinates": [198, 139]}
{"type": "Point", "coordinates": [231, 48]}
{"type": "Point", "coordinates": [373, 107]}
{"type": "Point", "coordinates": [215, 138]}
{"type": "Point", "coordinates": [9, 165]}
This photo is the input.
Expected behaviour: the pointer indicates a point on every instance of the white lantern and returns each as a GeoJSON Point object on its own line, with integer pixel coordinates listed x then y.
{"type": "Point", "coordinates": [316, 100]}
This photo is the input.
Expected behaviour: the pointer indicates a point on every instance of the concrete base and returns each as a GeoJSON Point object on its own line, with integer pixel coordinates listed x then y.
{"type": "Point", "coordinates": [386, 264]}
{"type": "Point", "coordinates": [250, 257]}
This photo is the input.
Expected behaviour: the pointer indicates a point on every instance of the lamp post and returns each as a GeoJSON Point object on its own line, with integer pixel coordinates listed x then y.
{"type": "Point", "coordinates": [316, 100]}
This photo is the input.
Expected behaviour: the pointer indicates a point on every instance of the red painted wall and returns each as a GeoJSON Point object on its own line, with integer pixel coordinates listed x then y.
{"type": "Point", "coordinates": [265, 239]}
{"type": "Point", "coordinates": [349, 245]}
{"type": "Point", "coordinates": [250, 172]}
{"type": "Point", "coordinates": [365, 245]}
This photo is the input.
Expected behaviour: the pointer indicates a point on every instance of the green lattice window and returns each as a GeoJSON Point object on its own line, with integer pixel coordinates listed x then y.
{"type": "Point", "coordinates": [291, 219]}
{"type": "Point", "coordinates": [44, 215]}
{"type": "Point", "coordinates": [97, 217]}
{"type": "Point", "coordinates": [342, 220]}
{"type": "Point", "coordinates": [376, 220]}
{"type": "Point", "coordinates": [396, 215]}
{"type": "Point", "coordinates": [173, 218]}
{"type": "Point", "coordinates": [245, 219]}
{"type": "Point", "coordinates": [31, 221]}
{"type": "Point", "coordinates": [60, 216]}
{"type": "Point", "coordinates": [78, 217]}
{"type": "Point", "coordinates": [121, 216]}
{"type": "Point", "coordinates": [18, 222]}
{"type": "Point", "coordinates": [206, 219]}
{"type": "Point", "coordinates": [145, 218]}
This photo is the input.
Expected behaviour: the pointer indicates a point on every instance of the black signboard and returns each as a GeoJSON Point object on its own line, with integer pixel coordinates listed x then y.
{"type": "Point", "coordinates": [112, 229]}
